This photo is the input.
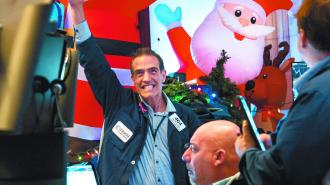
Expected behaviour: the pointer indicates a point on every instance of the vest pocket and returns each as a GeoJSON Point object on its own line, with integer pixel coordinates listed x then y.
{"type": "Point", "coordinates": [121, 131]}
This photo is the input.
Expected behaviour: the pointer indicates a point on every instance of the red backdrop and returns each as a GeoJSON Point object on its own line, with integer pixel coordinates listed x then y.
{"type": "Point", "coordinates": [108, 20]}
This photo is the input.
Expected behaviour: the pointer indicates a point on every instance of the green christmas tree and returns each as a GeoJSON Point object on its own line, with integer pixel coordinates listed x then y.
{"type": "Point", "coordinates": [226, 90]}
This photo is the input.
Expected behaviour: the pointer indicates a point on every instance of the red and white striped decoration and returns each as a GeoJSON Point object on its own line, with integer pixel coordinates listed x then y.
{"type": "Point", "coordinates": [108, 20]}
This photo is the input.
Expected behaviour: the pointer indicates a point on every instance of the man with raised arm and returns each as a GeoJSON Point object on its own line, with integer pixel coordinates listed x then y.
{"type": "Point", "coordinates": [144, 132]}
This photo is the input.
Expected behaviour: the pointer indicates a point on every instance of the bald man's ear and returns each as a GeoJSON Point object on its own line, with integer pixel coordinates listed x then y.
{"type": "Point", "coordinates": [219, 157]}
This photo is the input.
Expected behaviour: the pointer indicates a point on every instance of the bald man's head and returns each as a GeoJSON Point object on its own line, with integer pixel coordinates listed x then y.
{"type": "Point", "coordinates": [211, 155]}
{"type": "Point", "coordinates": [218, 133]}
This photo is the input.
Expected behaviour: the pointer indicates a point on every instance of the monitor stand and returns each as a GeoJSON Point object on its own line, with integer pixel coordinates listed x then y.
{"type": "Point", "coordinates": [33, 159]}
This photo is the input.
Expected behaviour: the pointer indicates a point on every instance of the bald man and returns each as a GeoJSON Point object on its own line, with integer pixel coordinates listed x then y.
{"type": "Point", "coordinates": [211, 155]}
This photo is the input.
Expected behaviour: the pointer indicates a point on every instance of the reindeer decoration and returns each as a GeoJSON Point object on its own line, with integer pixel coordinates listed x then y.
{"type": "Point", "coordinates": [268, 90]}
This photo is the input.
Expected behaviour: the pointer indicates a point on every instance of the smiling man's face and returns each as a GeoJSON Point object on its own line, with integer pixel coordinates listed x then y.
{"type": "Point", "coordinates": [148, 77]}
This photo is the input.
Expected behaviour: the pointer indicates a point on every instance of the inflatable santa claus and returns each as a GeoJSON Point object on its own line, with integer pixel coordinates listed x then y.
{"type": "Point", "coordinates": [237, 26]}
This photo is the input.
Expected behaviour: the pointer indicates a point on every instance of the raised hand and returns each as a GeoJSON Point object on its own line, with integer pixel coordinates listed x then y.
{"type": "Point", "coordinates": [166, 16]}
{"type": "Point", "coordinates": [75, 3]}
{"type": "Point", "coordinates": [77, 9]}
{"type": "Point", "coordinates": [244, 141]}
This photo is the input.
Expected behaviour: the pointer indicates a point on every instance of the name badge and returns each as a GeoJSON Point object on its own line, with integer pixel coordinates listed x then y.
{"type": "Point", "coordinates": [179, 125]}
{"type": "Point", "coordinates": [122, 131]}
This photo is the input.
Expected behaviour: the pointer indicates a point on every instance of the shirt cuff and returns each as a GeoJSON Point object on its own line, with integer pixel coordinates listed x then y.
{"type": "Point", "coordinates": [81, 32]}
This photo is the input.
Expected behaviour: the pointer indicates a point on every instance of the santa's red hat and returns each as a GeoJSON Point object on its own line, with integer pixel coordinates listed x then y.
{"type": "Point", "coordinates": [262, 7]}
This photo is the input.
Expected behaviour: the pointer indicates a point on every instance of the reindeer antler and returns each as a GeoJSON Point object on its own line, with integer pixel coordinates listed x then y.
{"type": "Point", "coordinates": [281, 54]}
{"type": "Point", "coordinates": [267, 60]}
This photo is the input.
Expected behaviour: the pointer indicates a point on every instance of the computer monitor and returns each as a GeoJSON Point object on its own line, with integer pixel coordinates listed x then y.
{"type": "Point", "coordinates": [35, 59]}
{"type": "Point", "coordinates": [23, 30]}
{"type": "Point", "coordinates": [55, 70]}
{"type": "Point", "coordinates": [82, 174]}
{"type": "Point", "coordinates": [298, 68]}
{"type": "Point", "coordinates": [37, 94]}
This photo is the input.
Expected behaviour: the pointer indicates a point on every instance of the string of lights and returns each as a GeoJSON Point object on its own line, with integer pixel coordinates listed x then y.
{"type": "Point", "coordinates": [86, 155]}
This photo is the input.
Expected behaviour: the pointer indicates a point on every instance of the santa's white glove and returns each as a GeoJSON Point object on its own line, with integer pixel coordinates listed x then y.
{"type": "Point", "coordinates": [167, 17]}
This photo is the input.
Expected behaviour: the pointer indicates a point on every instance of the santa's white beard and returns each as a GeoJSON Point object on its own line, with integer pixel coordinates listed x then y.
{"type": "Point", "coordinates": [212, 36]}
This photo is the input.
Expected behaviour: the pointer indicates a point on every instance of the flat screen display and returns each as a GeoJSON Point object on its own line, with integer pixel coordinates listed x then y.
{"type": "Point", "coordinates": [252, 125]}
{"type": "Point", "coordinates": [298, 68]}
{"type": "Point", "coordinates": [82, 174]}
